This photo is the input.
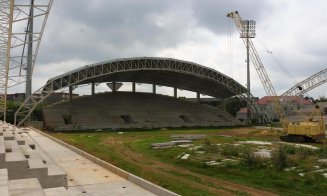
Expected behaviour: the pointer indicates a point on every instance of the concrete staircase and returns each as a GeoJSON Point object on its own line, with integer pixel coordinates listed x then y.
{"type": "Point", "coordinates": [25, 169]}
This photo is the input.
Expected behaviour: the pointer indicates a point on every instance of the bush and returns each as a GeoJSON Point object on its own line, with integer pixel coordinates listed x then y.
{"type": "Point", "coordinates": [290, 149]}
{"type": "Point", "coordinates": [230, 150]}
{"type": "Point", "coordinates": [280, 158]}
{"type": "Point", "coordinates": [312, 178]}
{"type": "Point", "coordinates": [206, 142]}
{"type": "Point", "coordinates": [249, 160]}
{"type": "Point", "coordinates": [294, 160]}
{"type": "Point", "coordinates": [322, 152]}
{"type": "Point", "coordinates": [305, 152]}
{"type": "Point", "coordinates": [212, 149]}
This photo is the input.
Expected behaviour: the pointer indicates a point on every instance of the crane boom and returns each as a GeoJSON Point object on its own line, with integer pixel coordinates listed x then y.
{"type": "Point", "coordinates": [262, 73]}
{"type": "Point", "coordinates": [308, 84]}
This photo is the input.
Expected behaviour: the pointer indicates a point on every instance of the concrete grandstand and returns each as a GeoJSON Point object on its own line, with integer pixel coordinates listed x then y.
{"type": "Point", "coordinates": [132, 109]}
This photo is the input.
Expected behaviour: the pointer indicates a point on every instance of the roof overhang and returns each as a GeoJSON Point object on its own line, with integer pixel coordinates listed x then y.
{"type": "Point", "coordinates": [160, 71]}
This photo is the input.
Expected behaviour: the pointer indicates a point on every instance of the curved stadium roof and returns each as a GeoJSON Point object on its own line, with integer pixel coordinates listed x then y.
{"type": "Point", "coordinates": [154, 70]}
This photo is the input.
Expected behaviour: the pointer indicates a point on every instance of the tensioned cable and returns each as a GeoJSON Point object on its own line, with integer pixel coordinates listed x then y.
{"type": "Point", "coordinates": [279, 63]}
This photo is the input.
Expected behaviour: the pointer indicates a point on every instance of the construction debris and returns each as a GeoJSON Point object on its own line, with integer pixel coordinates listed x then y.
{"type": "Point", "coordinates": [301, 145]}
{"type": "Point", "coordinates": [185, 156]}
{"type": "Point", "coordinates": [162, 145]}
{"type": "Point", "coordinates": [256, 142]}
{"type": "Point", "coordinates": [188, 136]}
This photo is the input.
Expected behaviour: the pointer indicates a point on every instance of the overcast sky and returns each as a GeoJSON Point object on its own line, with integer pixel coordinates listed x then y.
{"type": "Point", "coordinates": [81, 32]}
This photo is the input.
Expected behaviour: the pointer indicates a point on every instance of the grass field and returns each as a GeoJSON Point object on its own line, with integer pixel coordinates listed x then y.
{"type": "Point", "coordinates": [245, 175]}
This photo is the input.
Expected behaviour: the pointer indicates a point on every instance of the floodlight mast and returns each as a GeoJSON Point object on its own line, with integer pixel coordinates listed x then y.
{"type": "Point", "coordinates": [265, 80]}
{"type": "Point", "coordinates": [247, 32]}
{"type": "Point", "coordinates": [28, 90]}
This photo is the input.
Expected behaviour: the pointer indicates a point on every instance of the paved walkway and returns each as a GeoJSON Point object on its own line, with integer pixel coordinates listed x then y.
{"type": "Point", "coordinates": [84, 176]}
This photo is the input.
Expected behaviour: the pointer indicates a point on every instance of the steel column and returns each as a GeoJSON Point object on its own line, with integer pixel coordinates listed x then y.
{"type": "Point", "coordinates": [154, 90]}
{"type": "Point", "coordinates": [133, 87]}
{"type": "Point", "coordinates": [92, 88]}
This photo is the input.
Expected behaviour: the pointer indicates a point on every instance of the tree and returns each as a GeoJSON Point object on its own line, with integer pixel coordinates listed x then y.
{"type": "Point", "coordinates": [322, 99]}
{"type": "Point", "coordinates": [233, 105]}
{"type": "Point", "coordinates": [13, 106]}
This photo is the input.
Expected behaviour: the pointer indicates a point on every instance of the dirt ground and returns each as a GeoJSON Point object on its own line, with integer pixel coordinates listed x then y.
{"type": "Point", "coordinates": [249, 132]}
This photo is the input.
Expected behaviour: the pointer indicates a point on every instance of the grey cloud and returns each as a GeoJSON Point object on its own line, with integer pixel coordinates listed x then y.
{"type": "Point", "coordinates": [117, 28]}
{"type": "Point", "coordinates": [97, 30]}
{"type": "Point", "coordinates": [211, 14]}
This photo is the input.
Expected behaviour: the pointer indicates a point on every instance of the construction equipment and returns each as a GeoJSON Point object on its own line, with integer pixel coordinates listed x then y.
{"type": "Point", "coordinates": [308, 84]}
{"type": "Point", "coordinates": [309, 129]}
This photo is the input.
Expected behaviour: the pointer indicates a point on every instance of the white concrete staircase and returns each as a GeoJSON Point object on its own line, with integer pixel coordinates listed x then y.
{"type": "Point", "coordinates": [25, 169]}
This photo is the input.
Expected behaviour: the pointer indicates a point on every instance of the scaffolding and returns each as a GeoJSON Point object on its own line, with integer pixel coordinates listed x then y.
{"type": "Point", "coordinates": [22, 24]}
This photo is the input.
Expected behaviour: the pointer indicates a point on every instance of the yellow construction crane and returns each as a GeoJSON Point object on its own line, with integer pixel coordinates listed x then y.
{"type": "Point", "coordinates": [310, 129]}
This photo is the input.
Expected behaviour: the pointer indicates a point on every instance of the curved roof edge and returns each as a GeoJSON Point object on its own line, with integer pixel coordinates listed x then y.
{"type": "Point", "coordinates": [162, 64]}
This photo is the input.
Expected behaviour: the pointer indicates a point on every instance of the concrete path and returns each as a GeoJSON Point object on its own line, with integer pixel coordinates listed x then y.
{"type": "Point", "coordinates": [84, 176]}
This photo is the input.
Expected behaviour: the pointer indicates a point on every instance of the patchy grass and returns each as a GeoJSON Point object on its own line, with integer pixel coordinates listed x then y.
{"type": "Point", "coordinates": [131, 151]}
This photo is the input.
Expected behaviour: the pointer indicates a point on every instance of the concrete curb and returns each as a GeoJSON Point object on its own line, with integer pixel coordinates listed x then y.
{"type": "Point", "coordinates": [122, 173]}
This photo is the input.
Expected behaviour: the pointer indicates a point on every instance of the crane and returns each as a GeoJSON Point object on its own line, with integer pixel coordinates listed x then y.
{"type": "Point", "coordinates": [307, 130]}
{"type": "Point", "coordinates": [265, 80]}
{"type": "Point", "coordinates": [308, 84]}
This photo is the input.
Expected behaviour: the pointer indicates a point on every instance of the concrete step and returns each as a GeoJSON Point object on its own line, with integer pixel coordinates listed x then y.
{"type": "Point", "coordinates": [56, 177]}
{"type": "Point", "coordinates": [28, 141]}
{"type": "Point", "coordinates": [39, 166]}
{"type": "Point", "coordinates": [26, 151]}
{"type": "Point", "coordinates": [8, 135]}
{"type": "Point", "coordinates": [62, 191]}
{"type": "Point", "coordinates": [2, 145]}
{"type": "Point", "coordinates": [16, 164]}
{"type": "Point", "coordinates": [8, 146]}
{"type": "Point", "coordinates": [4, 187]}
{"type": "Point", "coordinates": [25, 187]}
{"type": "Point", "coordinates": [20, 139]}
{"type": "Point", "coordinates": [39, 161]}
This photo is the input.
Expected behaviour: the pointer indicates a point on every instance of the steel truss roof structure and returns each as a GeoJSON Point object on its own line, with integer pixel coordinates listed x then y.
{"type": "Point", "coordinates": [160, 71]}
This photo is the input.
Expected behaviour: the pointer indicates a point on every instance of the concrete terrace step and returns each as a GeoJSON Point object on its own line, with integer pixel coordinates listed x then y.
{"type": "Point", "coordinates": [16, 164]}
{"type": "Point", "coordinates": [153, 110]}
{"type": "Point", "coordinates": [8, 135]}
{"type": "Point", "coordinates": [4, 187]}
{"type": "Point", "coordinates": [2, 145]}
{"type": "Point", "coordinates": [56, 177]}
{"type": "Point", "coordinates": [62, 191]}
{"type": "Point", "coordinates": [20, 139]}
{"type": "Point", "coordinates": [25, 187]}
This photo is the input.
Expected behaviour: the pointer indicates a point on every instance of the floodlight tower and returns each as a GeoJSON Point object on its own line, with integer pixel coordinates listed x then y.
{"type": "Point", "coordinates": [29, 64]}
{"type": "Point", "coordinates": [247, 32]}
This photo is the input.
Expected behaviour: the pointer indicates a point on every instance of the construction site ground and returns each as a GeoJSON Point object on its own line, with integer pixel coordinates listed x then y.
{"type": "Point", "coordinates": [214, 165]}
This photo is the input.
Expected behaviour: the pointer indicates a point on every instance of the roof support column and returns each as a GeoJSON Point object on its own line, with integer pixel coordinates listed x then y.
{"type": "Point", "coordinates": [92, 88]}
{"type": "Point", "coordinates": [175, 92]}
{"type": "Point", "coordinates": [198, 97]}
{"type": "Point", "coordinates": [70, 93]}
{"type": "Point", "coordinates": [154, 88]}
{"type": "Point", "coordinates": [133, 87]}
{"type": "Point", "coordinates": [113, 87]}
